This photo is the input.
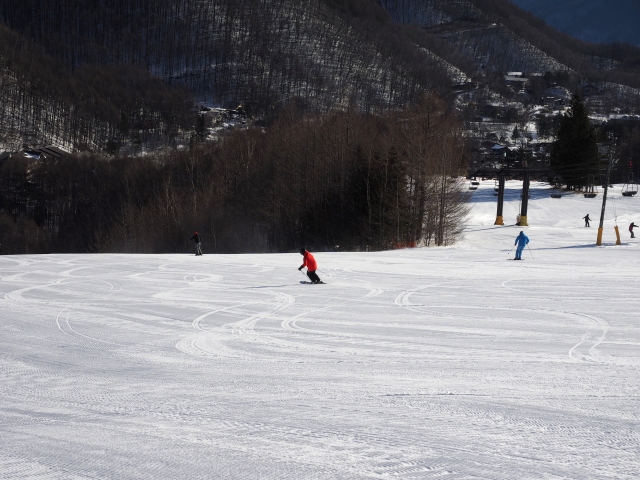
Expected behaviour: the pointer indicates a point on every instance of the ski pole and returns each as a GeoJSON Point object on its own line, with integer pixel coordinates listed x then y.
{"type": "Point", "coordinates": [324, 273]}
{"type": "Point", "coordinates": [532, 258]}
{"type": "Point", "coordinates": [509, 252]}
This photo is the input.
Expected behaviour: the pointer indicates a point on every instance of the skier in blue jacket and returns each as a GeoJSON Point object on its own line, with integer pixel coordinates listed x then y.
{"type": "Point", "coordinates": [521, 241]}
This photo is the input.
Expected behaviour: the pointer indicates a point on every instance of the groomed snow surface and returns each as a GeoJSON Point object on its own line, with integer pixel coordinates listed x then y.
{"type": "Point", "coordinates": [424, 363]}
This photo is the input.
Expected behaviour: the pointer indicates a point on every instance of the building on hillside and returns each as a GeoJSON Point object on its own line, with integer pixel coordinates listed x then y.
{"type": "Point", "coordinates": [51, 153]}
{"type": "Point", "coordinates": [34, 154]}
{"type": "Point", "coordinates": [559, 91]}
{"type": "Point", "coordinates": [515, 81]}
{"type": "Point", "coordinates": [554, 102]}
{"type": "Point", "coordinates": [499, 150]}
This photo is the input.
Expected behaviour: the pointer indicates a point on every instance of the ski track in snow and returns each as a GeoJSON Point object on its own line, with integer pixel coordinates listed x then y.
{"type": "Point", "coordinates": [425, 363]}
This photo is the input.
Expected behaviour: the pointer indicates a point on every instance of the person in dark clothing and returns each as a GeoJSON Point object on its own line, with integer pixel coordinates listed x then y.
{"type": "Point", "coordinates": [312, 266]}
{"type": "Point", "coordinates": [587, 220]}
{"type": "Point", "coordinates": [631, 229]}
{"type": "Point", "coordinates": [196, 237]}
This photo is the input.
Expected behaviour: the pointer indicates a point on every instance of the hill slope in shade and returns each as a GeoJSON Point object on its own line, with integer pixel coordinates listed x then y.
{"type": "Point", "coordinates": [590, 20]}
{"type": "Point", "coordinates": [443, 362]}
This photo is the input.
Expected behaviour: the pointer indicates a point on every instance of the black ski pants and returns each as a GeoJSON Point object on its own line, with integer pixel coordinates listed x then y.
{"type": "Point", "coordinates": [313, 276]}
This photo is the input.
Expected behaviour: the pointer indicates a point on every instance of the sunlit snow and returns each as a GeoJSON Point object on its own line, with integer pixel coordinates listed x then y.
{"type": "Point", "coordinates": [424, 363]}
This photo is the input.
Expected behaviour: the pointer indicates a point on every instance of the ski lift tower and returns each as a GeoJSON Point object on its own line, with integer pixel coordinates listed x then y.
{"type": "Point", "coordinates": [499, 217]}
{"type": "Point", "coordinates": [604, 199]}
{"type": "Point", "coordinates": [502, 173]}
{"type": "Point", "coordinates": [525, 199]}
{"type": "Point", "coordinates": [524, 205]}
{"type": "Point", "coordinates": [526, 180]}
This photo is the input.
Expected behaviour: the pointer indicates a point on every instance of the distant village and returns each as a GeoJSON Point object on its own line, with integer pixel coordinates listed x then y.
{"type": "Point", "coordinates": [518, 133]}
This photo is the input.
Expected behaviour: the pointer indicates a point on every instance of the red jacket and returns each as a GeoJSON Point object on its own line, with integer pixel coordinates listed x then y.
{"type": "Point", "coordinates": [309, 262]}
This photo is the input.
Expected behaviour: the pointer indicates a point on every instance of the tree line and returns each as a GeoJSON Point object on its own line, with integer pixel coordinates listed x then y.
{"type": "Point", "coordinates": [576, 160]}
{"type": "Point", "coordinates": [339, 181]}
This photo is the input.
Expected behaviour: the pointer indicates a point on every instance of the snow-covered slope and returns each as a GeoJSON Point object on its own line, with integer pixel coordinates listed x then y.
{"type": "Point", "coordinates": [442, 362]}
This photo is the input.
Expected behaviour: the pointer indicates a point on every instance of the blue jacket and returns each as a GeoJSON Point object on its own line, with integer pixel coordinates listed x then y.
{"type": "Point", "coordinates": [522, 240]}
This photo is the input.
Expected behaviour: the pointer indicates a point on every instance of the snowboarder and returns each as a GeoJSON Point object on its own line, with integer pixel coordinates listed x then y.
{"type": "Point", "coordinates": [312, 266]}
{"type": "Point", "coordinates": [196, 237]}
{"type": "Point", "coordinates": [587, 220]}
{"type": "Point", "coordinates": [521, 240]}
{"type": "Point", "coordinates": [631, 229]}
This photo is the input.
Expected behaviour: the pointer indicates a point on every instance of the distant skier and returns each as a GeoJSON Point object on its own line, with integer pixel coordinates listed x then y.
{"type": "Point", "coordinates": [196, 237]}
{"type": "Point", "coordinates": [521, 240]}
{"type": "Point", "coordinates": [631, 229]}
{"type": "Point", "coordinates": [312, 266]}
{"type": "Point", "coordinates": [587, 220]}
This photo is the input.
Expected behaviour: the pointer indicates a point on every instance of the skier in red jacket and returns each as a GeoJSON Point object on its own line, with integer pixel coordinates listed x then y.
{"type": "Point", "coordinates": [312, 266]}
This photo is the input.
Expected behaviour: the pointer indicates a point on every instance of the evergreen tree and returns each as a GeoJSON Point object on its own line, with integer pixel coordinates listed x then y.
{"type": "Point", "coordinates": [575, 152]}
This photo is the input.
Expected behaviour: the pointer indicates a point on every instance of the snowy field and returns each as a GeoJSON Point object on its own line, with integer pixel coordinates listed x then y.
{"type": "Point", "coordinates": [447, 363]}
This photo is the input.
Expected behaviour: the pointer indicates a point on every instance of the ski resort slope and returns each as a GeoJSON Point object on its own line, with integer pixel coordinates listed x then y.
{"type": "Point", "coordinates": [448, 363]}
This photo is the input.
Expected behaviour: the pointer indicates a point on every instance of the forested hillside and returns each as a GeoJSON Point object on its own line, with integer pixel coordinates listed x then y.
{"type": "Point", "coordinates": [230, 50]}
{"type": "Point", "coordinates": [92, 108]}
{"type": "Point", "coordinates": [68, 59]}
{"type": "Point", "coordinates": [261, 54]}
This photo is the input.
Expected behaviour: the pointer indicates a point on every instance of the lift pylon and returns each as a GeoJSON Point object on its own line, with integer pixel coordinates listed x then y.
{"type": "Point", "coordinates": [499, 217]}
{"type": "Point", "coordinates": [525, 199]}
